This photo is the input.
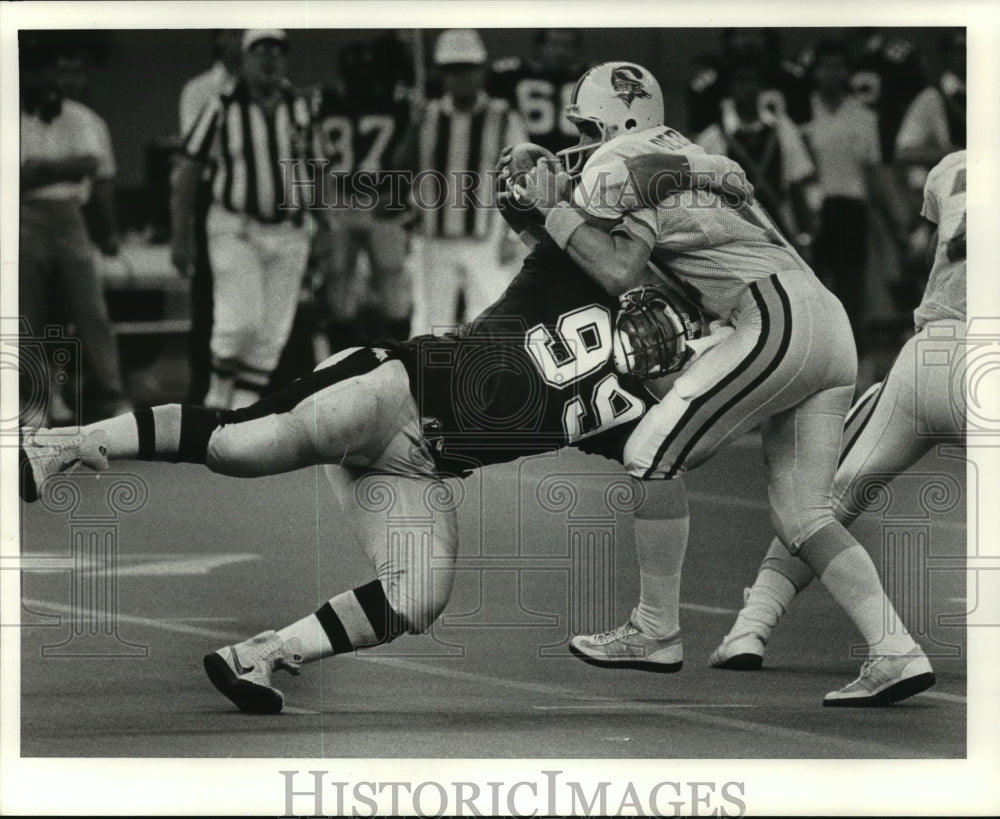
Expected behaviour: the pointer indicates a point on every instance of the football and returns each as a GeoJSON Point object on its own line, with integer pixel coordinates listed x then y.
{"type": "Point", "coordinates": [523, 158]}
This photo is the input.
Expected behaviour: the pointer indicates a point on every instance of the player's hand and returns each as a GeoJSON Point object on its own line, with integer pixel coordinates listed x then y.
{"type": "Point", "coordinates": [544, 187]}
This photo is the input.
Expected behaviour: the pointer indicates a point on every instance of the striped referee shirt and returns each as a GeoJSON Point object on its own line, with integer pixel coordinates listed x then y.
{"type": "Point", "coordinates": [461, 148]}
{"type": "Point", "coordinates": [247, 144]}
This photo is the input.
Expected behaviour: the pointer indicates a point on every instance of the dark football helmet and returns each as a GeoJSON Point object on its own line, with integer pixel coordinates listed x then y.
{"type": "Point", "coordinates": [652, 330]}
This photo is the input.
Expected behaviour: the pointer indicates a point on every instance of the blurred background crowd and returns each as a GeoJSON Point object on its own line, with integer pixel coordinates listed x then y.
{"type": "Point", "coordinates": [166, 255]}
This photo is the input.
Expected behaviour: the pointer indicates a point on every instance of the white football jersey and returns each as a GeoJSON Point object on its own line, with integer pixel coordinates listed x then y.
{"type": "Point", "coordinates": [713, 248]}
{"type": "Point", "coordinates": [944, 205]}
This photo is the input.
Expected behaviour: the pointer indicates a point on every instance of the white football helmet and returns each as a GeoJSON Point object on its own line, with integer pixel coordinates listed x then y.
{"type": "Point", "coordinates": [617, 98]}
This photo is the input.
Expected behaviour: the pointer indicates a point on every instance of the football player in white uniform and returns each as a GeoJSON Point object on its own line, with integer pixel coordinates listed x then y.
{"type": "Point", "coordinates": [893, 425]}
{"type": "Point", "coordinates": [789, 366]}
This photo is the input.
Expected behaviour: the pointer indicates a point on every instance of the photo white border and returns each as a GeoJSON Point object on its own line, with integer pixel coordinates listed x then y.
{"type": "Point", "coordinates": [252, 786]}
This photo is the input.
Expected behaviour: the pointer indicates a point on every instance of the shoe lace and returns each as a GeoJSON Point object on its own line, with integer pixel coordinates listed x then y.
{"type": "Point", "coordinates": [616, 633]}
{"type": "Point", "coordinates": [867, 666]}
{"type": "Point", "coordinates": [277, 657]}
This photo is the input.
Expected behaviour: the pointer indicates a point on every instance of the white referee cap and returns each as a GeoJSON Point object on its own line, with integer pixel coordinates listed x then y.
{"type": "Point", "coordinates": [252, 36]}
{"type": "Point", "coordinates": [460, 46]}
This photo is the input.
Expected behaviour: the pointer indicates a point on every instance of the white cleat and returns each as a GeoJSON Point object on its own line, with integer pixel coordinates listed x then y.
{"type": "Point", "coordinates": [628, 647]}
{"type": "Point", "coordinates": [46, 452]}
{"type": "Point", "coordinates": [739, 652]}
{"type": "Point", "coordinates": [885, 680]}
{"type": "Point", "coordinates": [242, 672]}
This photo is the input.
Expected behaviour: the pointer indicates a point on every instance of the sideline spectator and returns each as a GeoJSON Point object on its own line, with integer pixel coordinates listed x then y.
{"type": "Point", "coordinates": [843, 136]}
{"type": "Point", "coordinates": [65, 156]}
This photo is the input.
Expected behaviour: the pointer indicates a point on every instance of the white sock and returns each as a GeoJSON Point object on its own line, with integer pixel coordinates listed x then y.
{"type": "Point", "coordinates": [661, 545]}
{"type": "Point", "coordinates": [781, 576]}
{"type": "Point", "coordinates": [847, 572]}
{"type": "Point", "coordinates": [308, 630]}
{"type": "Point", "coordinates": [123, 436]}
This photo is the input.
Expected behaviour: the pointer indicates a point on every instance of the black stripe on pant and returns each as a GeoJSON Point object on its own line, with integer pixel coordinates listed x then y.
{"type": "Point", "coordinates": [708, 409]}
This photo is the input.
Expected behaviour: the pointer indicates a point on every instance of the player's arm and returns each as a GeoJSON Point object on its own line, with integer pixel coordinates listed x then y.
{"type": "Point", "coordinates": [616, 259]}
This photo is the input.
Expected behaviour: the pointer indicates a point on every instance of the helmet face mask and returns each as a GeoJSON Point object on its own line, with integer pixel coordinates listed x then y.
{"type": "Point", "coordinates": [616, 99]}
{"type": "Point", "coordinates": [652, 331]}
{"type": "Point", "coordinates": [591, 138]}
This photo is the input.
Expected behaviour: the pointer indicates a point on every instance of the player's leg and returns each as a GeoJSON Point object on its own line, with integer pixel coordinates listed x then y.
{"type": "Point", "coordinates": [780, 578]}
{"type": "Point", "coordinates": [651, 639]}
{"type": "Point", "coordinates": [802, 447]}
{"type": "Point", "coordinates": [237, 291]}
{"type": "Point", "coordinates": [887, 431]}
{"type": "Point", "coordinates": [436, 286]}
{"type": "Point", "coordinates": [414, 573]}
{"type": "Point", "coordinates": [341, 291]}
{"type": "Point", "coordinates": [705, 407]}
{"type": "Point", "coordinates": [343, 412]}
{"type": "Point", "coordinates": [386, 246]}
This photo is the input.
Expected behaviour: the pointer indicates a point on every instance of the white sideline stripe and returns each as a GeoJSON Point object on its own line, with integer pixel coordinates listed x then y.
{"type": "Point", "coordinates": [747, 503]}
{"type": "Point", "coordinates": [44, 606]}
{"type": "Point", "coordinates": [941, 695]}
{"type": "Point", "coordinates": [472, 676]}
{"type": "Point", "coordinates": [845, 744]}
{"type": "Point", "coordinates": [707, 609]}
{"type": "Point", "coordinates": [637, 707]}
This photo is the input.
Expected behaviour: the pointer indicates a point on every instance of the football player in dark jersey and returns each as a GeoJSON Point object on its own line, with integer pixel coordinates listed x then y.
{"type": "Point", "coordinates": [539, 87]}
{"type": "Point", "coordinates": [784, 86]}
{"type": "Point", "coordinates": [361, 124]}
{"type": "Point", "coordinates": [533, 373]}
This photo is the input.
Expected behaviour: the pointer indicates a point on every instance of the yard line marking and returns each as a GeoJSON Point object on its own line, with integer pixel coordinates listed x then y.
{"type": "Point", "coordinates": [845, 745]}
{"type": "Point", "coordinates": [184, 565]}
{"type": "Point", "coordinates": [707, 609]}
{"type": "Point", "coordinates": [941, 695]}
{"type": "Point", "coordinates": [638, 707]}
{"type": "Point", "coordinates": [44, 606]}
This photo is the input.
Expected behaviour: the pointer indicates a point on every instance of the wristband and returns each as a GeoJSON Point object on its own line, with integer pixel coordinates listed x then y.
{"type": "Point", "coordinates": [560, 224]}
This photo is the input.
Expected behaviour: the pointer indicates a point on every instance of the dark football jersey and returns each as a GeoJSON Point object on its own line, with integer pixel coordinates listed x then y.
{"type": "Point", "coordinates": [785, 90]}
{"type": "Point", "coordinates": [533, 373]}
{"type": "Point", "coordinates": [540, 95]}
{"type": "Point", "coordinates": [358, 136]}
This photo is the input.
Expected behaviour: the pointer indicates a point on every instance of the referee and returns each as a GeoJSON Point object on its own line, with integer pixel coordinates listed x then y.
{"type": "Point", "coordinates": [258, 234]}
{"type": "Point", "coordinates": [467, 250]}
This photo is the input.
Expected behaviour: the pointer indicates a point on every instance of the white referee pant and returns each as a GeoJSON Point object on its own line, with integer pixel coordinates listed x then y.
{"type": "Point", "coordinates": [257, 271]}
{"type": "Point", "coordinates": [447, 267]}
